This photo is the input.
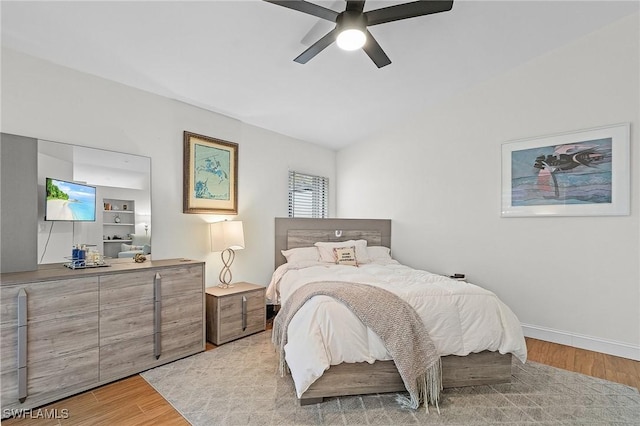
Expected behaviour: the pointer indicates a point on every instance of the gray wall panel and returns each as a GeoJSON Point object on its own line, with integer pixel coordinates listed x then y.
{"type": "Point", "coordinates": [18, 203]}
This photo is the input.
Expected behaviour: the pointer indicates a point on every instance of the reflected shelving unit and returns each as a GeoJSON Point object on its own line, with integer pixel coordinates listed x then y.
{"type": "Point", "coordinates": [118, 223]}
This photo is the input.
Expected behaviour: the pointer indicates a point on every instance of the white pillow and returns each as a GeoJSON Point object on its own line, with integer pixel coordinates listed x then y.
{"type": "Point", "coordinates": [301, 254]}
{"type": "Point", "coordinates": [327, 254]}
{"type": "Point", "coordinates": [305, 264]}
{"type": "Point", "coordinates": [379, 253]}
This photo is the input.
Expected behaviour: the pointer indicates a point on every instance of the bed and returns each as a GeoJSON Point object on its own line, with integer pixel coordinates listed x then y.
{"type": "Point", "coordinates": [330, 353]}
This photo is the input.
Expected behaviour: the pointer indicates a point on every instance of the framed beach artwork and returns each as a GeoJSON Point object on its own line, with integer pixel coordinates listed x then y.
{"type": "Point", "coordinates": [582, 173]}
{"type": "Point", "coordinates": [210, 175]}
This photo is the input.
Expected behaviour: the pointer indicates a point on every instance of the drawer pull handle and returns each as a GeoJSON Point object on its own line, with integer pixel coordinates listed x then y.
{"type": "Point", "coordinates": [22, 345]}
{"type": "Point", "coordinates": [244, 313]}
{"type": "Point", "coordinates": [157, 316]}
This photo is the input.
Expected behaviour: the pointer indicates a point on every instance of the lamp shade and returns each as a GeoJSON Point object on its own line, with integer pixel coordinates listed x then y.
{"type": "Point", "coordinates": [227, 235]}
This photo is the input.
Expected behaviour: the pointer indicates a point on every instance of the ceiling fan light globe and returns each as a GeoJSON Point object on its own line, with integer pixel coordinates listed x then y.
{"type": "Point", "coordinates": [351, 39]}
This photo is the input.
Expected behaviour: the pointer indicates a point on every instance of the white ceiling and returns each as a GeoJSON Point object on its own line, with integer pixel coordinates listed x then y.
{"type": "Point", "coordinates": [236, 57]}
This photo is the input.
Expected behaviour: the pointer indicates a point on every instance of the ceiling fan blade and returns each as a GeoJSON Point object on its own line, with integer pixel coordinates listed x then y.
{"type": "Point", "coordinates": [407, 10]}
{"type": "Point", "coordinates": [308, 8]}
{"type": "Point", "coordinates": [375, 52]}
{"type": "Point", "coordinates": [355, 5]}
{"type": "Point", "coordinates": [320, 27]}
{"type": "Point", "coordinates": [317, 47]}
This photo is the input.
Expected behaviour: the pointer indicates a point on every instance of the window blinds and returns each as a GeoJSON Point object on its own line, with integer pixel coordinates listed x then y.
{"type": "Point", "coordinates": [308, 195]}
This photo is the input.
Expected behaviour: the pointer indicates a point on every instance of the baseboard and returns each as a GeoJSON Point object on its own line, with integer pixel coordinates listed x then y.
{"type": "Point", "coordinates": [624, 350]}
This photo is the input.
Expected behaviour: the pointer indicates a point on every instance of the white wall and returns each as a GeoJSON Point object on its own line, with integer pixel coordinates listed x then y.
{"type": "Point", "coordinates": [573, 280]}
{"type": "Point", "coordinates": [47, 101]}
{"type": "Point", "coordinates": [55, 238]}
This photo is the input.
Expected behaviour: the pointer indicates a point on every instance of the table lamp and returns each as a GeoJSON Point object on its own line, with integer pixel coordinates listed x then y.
{"type": "Point", "coordinates": [226, 237]}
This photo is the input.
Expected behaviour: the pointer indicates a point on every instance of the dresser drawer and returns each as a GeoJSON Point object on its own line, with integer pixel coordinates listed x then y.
{"type": "Point", "coordinates": [181, 310]}
{"type": "Point", "coordinates": [51, 379]}
{"type": "Point", "coordinates": [124, 357]}
{"type": "Point", "coordinates": [127, 322]}
{"type": "Point", "coordinates": [178, 281]}
{"type": "Point", "coordinates": [133, 288]}
{"type": "Point", "coordinates": [50, 300]}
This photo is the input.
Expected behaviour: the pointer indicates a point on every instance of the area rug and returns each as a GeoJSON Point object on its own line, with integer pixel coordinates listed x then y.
{"type": "Point", "coordinates": [237, 384]}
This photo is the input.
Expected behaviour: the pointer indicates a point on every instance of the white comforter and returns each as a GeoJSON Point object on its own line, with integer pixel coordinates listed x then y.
{"type": "Point", "coordinates": [461, 318]}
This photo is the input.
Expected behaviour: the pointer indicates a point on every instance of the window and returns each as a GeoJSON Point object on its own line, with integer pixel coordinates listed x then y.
{"type": "Point", "coordinates": [308, 195]}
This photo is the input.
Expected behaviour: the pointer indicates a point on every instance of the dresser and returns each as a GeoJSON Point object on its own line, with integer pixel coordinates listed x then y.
{"type": "Point", "coordinates": [65, 331]}
{"type": "Point", "coordinates": [235, 312]}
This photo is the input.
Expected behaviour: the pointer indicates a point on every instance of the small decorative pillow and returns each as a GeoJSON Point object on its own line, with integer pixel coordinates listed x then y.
{"type": "Point", "coordinates": [327, 254]}
{"type": "Point", "coordinates": [345, 256]}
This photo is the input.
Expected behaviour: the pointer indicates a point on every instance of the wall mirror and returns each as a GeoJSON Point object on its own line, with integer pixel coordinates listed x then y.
{"type": "Point", "coordinates": [119, 224]}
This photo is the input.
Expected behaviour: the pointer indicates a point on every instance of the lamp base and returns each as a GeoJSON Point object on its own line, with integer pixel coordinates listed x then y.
{"type": "Point", "coordinates": [225, 277]}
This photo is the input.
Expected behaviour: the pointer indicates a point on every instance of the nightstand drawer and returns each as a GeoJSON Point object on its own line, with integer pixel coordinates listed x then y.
{"type": "Point", "coordinates": [235, 312]}
{"type": "Point", "coordinates": [231, 306]}
{"type": "Point", "coordinates": [232, 329]}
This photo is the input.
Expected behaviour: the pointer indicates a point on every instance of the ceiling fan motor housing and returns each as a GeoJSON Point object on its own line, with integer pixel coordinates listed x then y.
{"type": "Point", "coordinates": [351, 30]}
{"type": "Point", "coordinates": [351, 20]}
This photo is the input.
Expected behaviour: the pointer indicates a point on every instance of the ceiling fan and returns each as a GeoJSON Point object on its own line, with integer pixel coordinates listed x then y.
{"type": "Point", "coordinates": [351, 33]}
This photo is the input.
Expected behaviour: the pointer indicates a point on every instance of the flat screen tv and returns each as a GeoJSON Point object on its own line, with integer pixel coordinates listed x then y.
{"type": "Point", "coordinates": [70, 201]}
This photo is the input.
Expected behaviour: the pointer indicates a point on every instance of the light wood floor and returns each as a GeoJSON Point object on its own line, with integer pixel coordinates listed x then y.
{"type": "Point", "coordinates": [595, 364]}
{"type": "Point", "coordinates": [132, 401]}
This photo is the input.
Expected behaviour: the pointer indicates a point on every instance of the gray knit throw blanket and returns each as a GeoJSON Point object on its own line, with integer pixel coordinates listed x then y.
{"type": "Point", "coordinates": [392, 319]}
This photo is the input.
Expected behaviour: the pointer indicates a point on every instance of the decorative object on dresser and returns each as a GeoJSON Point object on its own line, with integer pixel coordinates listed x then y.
{"type": "Point", "coordinates": [226, 236]}
{"type": "Point", "coordinates": [66, 331]}
{"type": "Point", "coordinates": [210, 175]}
{"type": "Point", "coordinates": [235, 312]}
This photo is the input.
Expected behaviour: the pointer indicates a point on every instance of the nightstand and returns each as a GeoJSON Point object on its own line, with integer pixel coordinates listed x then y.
{"type": "Point", "coordinates": [235, 312]}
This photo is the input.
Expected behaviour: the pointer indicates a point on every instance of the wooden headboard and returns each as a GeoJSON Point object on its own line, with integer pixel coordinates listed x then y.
{"type": "Point", "coordinates": [302, 232]}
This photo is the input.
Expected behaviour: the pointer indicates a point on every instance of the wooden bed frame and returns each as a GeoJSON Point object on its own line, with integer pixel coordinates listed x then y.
{"type": "Point", "coordinates": [382, 376]}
